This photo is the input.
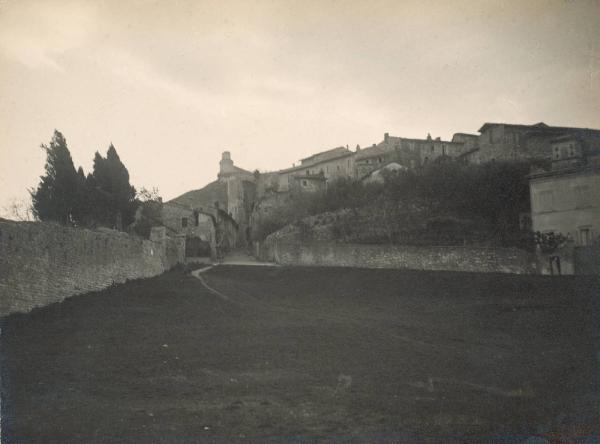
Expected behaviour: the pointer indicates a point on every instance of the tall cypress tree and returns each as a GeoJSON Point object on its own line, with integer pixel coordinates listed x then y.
{"type": "Point", "coordinates": [55, 198]}
{"type": "Point", "coordinates": [114, 195]}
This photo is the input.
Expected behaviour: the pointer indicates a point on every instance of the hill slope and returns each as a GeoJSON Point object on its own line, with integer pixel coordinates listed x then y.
{"type": "Point", "coordinates": [213, 192]}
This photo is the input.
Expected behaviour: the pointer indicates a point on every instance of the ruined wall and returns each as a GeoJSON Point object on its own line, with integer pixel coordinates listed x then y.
{"type": "Point", "coordinates": [473, 259]}
{"type": "Point", "coordinates": [42, 263]}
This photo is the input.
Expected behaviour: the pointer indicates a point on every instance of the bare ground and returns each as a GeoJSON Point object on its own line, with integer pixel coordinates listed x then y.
{"type": "Point", "coordinates": [306, 355]}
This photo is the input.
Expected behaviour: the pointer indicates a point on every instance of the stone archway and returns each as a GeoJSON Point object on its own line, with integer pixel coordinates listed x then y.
{"type": "Point", "coordinates": [196, 247]}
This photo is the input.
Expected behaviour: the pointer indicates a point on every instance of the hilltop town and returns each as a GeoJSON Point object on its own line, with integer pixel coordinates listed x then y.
{"type": "Point", "coordinates": [239, 196]}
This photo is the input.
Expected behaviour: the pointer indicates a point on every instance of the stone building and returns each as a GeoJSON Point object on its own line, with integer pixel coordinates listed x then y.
{"type": "Point", "coordinates": [217, 214]}
{"type": "Point", "coordinates": [470, 147]}
{"type": "Point", "coordinates": [506, 142]}
{"type": "Point", "coordinates": [410, 153]}
{"type": "Point", "coordinates": [566, 200]}
{"type": "Point", "coordinates": [197, 228]}
{"type": "Point", "coordinates": [315, 171]}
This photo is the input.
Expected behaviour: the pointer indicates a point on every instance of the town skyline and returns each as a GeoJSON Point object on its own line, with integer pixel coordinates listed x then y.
{"type": "Point", "coordinates": [273, 83]}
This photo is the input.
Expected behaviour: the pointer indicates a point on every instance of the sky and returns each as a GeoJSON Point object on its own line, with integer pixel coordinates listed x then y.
{"type": "Point", "coordinates": [173, 84]}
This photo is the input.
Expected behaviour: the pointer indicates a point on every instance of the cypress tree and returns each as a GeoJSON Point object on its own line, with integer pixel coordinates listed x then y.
{"type": "Point", "coordinates": [56, 197]}
{"type": "Point", "coordinates": [114, 196]}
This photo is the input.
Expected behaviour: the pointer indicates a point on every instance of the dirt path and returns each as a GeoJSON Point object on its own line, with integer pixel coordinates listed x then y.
{"type": "Point", "coordinates": [240, 257]}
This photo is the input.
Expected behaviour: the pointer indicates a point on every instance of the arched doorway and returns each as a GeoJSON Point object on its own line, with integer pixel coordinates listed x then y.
{"type": "Point", "coordinates": [196, 247]}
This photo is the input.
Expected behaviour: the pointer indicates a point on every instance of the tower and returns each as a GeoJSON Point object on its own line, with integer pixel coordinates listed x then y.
{"type": "Point", "coordinates": [226, 165]}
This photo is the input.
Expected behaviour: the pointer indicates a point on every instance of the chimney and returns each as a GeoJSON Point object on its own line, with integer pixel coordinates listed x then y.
{"type": "Point", "coordinates": [357, 147]}
{"type": "Point", "coordinates": [386, 137]}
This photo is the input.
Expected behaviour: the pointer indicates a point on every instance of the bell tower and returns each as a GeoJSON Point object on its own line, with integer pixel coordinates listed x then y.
{"type": "Point", "coordinates": [226, 165]}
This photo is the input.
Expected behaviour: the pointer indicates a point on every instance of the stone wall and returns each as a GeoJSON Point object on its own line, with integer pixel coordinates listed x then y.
{"type": "Point", "coordinates": [473, 259]}
{"type": "Point", "coordinates": [42, 263]}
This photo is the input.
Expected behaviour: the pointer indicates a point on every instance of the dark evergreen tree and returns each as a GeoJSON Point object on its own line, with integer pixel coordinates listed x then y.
{"type": "Point", "coordinates": [113, 195]}
{"type": "Point", "coordinates": [56, 197]}
{"type": "Point", "coordinates": [81, 210]}
{"type": "Point", "coordinates": [149, 212]}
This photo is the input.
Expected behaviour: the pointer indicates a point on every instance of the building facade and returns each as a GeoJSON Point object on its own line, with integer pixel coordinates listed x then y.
{"type": "Point", "coordinates": [410, 153]}
{"type": "Point", "coordinates": [566, 200]}
{"type": "Point", "coordinates": [510, 142]}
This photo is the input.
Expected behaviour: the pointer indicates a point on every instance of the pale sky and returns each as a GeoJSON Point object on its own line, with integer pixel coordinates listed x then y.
{"type": "Point", "coordinates": [172, 84]}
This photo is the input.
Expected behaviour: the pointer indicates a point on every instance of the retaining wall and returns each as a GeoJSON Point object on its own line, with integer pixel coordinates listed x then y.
{"type": "Point", "coordinates": [474, 259]}
{"type": "Point", "coordinates": [42, 263]}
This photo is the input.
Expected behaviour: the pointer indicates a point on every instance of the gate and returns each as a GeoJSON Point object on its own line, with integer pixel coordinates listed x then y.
{"type": "Point", "coordinates": [196, 247]}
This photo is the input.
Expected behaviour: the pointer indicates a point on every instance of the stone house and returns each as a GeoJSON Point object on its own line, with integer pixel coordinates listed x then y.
{"type": "Point", "coordinates": [217, 214]}
{"type": "Point", "coordinates": [315, 171]}
{"type": "Point", "coordinates": [566, 200]}
{"type": "Point", "coordinates": [197, 227]}
{"type": "Point", "coordinates": [411, 153]}
{"type": "Point", "coordinates": [468, 153]}
{"type": "Point", "coordinates": [506, 142]}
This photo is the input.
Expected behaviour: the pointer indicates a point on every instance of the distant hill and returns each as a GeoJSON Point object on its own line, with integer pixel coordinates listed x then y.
{"type": "Point", "coordinates": [213, 192]}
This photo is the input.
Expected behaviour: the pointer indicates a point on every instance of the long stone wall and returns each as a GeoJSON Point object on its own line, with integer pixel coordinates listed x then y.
{"type": "Point", "coordinates": [474, 259]}
{"type": "Point", "coordinates": [42, 263]}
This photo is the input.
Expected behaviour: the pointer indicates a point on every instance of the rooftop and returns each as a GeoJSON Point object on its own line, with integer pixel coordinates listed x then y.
{"type": "Point", "coordinates": [335, 152]}
{"type": "Point", "coordinates": [541, 126]}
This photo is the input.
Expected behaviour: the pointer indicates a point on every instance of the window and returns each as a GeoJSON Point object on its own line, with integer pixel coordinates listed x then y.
{"type": "Point", "coordinates": [196, 218]}
{"type": "Point", "coordinates": [338, 167]}
{"type": "Point", "coordinates": [585, 236]}
{"type": "Point", "coordinates": [432, 148]}
{"type": "Point", "coordinates": [307, 172]}
{"type": "Point", "coordinates": [379, 159]}
{"type": "Point", "coordinates": [304, 183]}
{"type": "Point", "coordinates": [184, 222]}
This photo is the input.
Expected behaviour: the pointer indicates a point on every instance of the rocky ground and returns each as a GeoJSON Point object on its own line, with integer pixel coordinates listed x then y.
{"type": "Point", "coordinates": [270, 354]}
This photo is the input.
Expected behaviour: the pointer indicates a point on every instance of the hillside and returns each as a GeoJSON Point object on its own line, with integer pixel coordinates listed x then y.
{"type": "Point", "coordinates": [204, 197]}
{"type": "Point", "coordinates": [442, 204]}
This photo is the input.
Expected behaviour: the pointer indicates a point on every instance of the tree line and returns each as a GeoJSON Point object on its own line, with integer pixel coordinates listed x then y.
{"type": "Point", "coordinates": [442, 201]}
{"type": "Point", "coordinates": [68, 196]}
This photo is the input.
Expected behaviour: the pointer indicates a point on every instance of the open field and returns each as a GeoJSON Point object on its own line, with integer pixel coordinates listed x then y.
{"type": "Point", "coordinates": [305, 355]}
